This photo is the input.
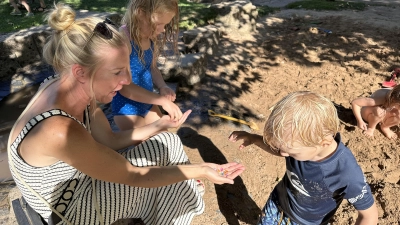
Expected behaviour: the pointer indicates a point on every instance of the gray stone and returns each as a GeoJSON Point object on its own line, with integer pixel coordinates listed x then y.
{"type": "Point", "coordinates": [23, 48]}
{"type": "Point", "coordinates": [5, 189]}
{"type": "Point", "coordinates": [202, 39]}
{"type": "Point", "coordinates": [20, 51]}
{"type": "Point", "coordinates": [238, 16]}
{"type": "Point", "coordinates": [116, 18]}
{"type": "Point", "coordinates": [188, 69]}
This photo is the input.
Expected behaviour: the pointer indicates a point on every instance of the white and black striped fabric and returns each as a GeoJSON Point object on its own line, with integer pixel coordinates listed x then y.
{"type": "Point", "coordinates": [70, 191]}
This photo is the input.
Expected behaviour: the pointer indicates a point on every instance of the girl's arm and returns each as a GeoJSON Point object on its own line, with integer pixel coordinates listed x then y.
{"type": "Point", "coordinates": [249, 139]}
{"type": "Point", "coordinates": [102, 132]}
{"type": "Point", "coordinates": [360, 102]}
{"type": "Point", "coordinates": [158, 80]}
{"type": "Point", "coordinates": [139, 94]}
{"type": "Point", "coordinates": [356, 106]}
{"type": "Point", "coordinates": [72, 144]}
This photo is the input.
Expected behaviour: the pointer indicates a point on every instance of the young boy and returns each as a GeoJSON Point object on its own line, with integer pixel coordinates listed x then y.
{"type": "Point", "coordinates": [320, 170]}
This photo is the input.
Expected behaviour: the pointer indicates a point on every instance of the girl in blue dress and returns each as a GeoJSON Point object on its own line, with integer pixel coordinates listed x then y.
{"type": "Point", "coordinates": [148, 25]}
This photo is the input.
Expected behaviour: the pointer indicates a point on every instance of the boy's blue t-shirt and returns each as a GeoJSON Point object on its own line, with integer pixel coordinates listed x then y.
{"type": "Point", "coordinates": [311, 192]}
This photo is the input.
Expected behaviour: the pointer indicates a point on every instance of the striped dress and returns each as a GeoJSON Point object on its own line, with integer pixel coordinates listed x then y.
{"type": "Point", "coordinates": [71, 192]}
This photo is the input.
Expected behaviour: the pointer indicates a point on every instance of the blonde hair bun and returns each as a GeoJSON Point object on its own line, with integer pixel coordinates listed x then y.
{"type": "Point", "coordinates": [61, 17]}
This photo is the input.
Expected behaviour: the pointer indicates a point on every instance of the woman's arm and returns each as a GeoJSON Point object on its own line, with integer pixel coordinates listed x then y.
{"type": "Point", "coordinates": [72, 144]}
{"type": "Point", "coordinates": [102, 132]}
{"type": "Point", "coordinates": [249, 139]}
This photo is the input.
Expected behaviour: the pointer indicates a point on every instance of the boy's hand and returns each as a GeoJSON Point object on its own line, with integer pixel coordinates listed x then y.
{"type": "Point", "coordinates": [242, 135]}
{"type": "Point", "coordinates": [225, 173]}
{"type": "Point", "coordinates": [168, 93]}
{"type": "Point", "coordinates": [172, 109]}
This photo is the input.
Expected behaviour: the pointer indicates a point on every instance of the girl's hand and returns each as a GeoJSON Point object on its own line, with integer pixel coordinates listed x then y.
{"type": "Point", "coordinates": [172, 109]}
{"type": "Point", "coordinates": [168, 93]}
{"type": "Point", "coordinates": [223, 174]}
{"type": "Point", "coordinates": [166, 121]}
{"type": "Point", "coordinates": [242, 135]}
{"type": "Point", "coordinates": [362, 125]}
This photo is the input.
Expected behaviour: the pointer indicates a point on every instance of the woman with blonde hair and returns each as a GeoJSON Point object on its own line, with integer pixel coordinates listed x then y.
{"type": "Point", "coordinates": [68, 163]}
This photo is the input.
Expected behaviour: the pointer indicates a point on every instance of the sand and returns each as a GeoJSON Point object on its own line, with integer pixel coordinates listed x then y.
{"type": "Point", "coordinates": [289, 53]}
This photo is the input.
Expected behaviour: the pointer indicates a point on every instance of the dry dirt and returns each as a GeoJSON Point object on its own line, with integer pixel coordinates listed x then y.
{"type": "Point", "coordinates": [288, 53]}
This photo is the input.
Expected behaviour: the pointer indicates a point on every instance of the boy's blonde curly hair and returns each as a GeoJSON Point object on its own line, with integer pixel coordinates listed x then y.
{"type": "Point", "coordinates": [304, 117]}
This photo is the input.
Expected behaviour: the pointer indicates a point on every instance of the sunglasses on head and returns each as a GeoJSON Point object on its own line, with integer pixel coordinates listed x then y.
{"type": "Point", "coordinates": [102, 29]}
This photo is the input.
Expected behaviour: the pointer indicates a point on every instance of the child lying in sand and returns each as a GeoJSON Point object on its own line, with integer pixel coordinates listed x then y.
{"type": "Point", "coordinates": [382, 107]}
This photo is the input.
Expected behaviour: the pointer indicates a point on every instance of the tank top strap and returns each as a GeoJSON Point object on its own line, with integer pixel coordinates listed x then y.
{"type": "Point", "coordinates": [52, 77]}
{"type": "Point", "coordinates": [39, 118]}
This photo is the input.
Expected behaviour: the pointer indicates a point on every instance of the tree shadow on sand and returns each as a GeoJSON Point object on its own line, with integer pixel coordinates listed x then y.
{"type": "Point", "coordinates": [233, 200]}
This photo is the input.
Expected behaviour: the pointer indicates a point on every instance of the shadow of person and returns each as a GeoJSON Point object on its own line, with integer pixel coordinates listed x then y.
{"type": "Point", "coordinates": [233, 200]}
{"type": "Point", "coordinates": [346, 117]}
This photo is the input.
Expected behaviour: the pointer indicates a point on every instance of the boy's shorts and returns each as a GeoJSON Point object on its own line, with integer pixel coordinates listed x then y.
{"type": "Point", "coordinates": [272, 215]}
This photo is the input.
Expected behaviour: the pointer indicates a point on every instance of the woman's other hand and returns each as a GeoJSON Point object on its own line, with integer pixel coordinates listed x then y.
{"type": "Point", "coordinates": [167, 122]}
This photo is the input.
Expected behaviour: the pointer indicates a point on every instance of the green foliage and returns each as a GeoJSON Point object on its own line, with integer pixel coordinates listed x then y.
{"type": "Point", "coordinates": [326, 5]}
{"type": "Point", "coordinates": [14, 23]}
{"type": "Point", "coordinates": [265, 10]}
{"type": "Point", "coordinates": [191, 14]}
{"type": "Point", "coordinates": [195, 15]}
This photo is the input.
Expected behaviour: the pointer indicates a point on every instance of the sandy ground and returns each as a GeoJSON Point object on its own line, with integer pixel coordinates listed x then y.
{"type": "Point", "coordinates": [288, 53]}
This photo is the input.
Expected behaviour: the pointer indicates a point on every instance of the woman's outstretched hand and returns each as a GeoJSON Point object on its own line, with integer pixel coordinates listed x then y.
{"type": "Point", "coordinates": [166, 121]}
{"type": "Point", "coordinates": [223, 174]}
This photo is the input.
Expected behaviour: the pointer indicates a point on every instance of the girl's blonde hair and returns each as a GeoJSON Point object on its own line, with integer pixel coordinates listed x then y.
{"type": "Point", "coordinates": [392, 97]}
{"type": "Point", "coordinates": [76, 42]}
{"type": "Point", "coordinates": [149, 8]}
{"type": "Point", "coordinates": [304, 117]}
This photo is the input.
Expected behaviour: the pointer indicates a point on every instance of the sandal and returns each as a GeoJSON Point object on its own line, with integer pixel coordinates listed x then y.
{"type": "Point", "coordinates": [40, 9]}
{"type": "Point", "coordinates": [200, 187]}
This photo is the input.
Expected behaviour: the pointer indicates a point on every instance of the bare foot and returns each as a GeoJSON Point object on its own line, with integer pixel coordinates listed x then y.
{"type": "Point", "coordinates": [369, 132]}
{"type": "Point", "coordinates": [391, 135]}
